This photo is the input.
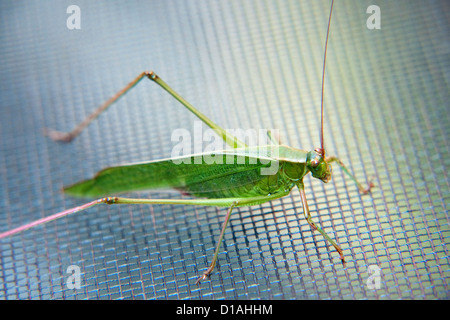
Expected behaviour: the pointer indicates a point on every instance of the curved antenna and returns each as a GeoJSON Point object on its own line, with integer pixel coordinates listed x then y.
{"type": "Point", "coordinates": [322, 147]}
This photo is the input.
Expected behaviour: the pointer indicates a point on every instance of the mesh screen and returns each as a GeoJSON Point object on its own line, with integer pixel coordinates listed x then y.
{"type": "Point", "coordinates": [245, 64]}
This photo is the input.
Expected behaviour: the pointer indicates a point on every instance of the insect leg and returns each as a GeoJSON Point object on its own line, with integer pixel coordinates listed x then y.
{"type": "Point", "coordinates": [222, 202]}
{"type": "Point", "coordinates": [216, 252]}
{"type": "Point", "coordinates": [69, 136]}
{"type": "Point", "coordinates": [51, 218]}
{"type": "Point", "coordinates": [237, 202]}
{"type": "Point", "coordinates": [312, 224]}
{"type": "Point", "coordinates": [228, 138]}
{"type": "Point", "coordinates": [231, 202]}
{"type": "Point", "coordinates": [347, 172]}
{"type": "Point", "coordinates": [115, 200]}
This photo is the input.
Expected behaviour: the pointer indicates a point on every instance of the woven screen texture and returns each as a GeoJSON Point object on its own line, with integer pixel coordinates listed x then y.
{"type": "Point", "coordinates": [244, 64]}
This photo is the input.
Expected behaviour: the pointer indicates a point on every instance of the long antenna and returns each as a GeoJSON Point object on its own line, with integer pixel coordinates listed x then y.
{"type": "Point", "coordinates": [322, 147]}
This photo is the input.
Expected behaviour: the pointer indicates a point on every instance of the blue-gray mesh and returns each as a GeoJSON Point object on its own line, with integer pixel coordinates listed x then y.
{"type": "Point", "coordinates": [246, 64]}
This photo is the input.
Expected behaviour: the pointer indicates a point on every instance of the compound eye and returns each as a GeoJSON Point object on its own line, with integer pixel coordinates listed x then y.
{"type": "Point", "coordinates": [315, 162]}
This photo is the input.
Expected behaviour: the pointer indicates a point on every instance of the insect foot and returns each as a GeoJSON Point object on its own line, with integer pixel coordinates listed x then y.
{"type": "Point", "coordinates": [205, 276]}
{"type": "Point", "coordinates": [58, 135]}
{"type": "Point", "coordinates": [369, 187]}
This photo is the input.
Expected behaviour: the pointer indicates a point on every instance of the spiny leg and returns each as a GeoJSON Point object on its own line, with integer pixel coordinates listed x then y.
{"type": "Point", "coordinates": [347, 172]}
{"type": "Point", "coordinates": [118, 200]}
{"type": "Point", "coordinates": [221, 202]}
{"type": "Point", "coordinates": [237, 202]}
{"type": "Point", "coordinates": [313, 225]}
{"type": "Point", "coordinates": [216, 252]}
{"type": "Point", "coordinates": [69, 136]}
{"type": "Point", "coordinates": [53, 217]}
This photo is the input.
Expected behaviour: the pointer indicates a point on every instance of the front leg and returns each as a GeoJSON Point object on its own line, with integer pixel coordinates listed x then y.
{"type": "Point", "coordinates": [347, 172]}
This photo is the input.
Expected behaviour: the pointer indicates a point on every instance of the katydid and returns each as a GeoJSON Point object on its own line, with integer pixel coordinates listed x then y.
{"type": "Point", "coordinates": [226, 183]}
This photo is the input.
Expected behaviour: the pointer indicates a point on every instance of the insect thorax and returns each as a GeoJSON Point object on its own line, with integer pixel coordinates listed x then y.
{"type": "Point", "coordinates": [283, 180]}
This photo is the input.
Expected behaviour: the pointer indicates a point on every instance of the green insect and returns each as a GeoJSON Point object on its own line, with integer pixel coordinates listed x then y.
{"type": "Point", "coordinates": [235, 179]}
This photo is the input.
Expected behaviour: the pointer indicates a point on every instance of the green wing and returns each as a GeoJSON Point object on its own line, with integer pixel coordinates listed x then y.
{"type": "Point", "coordinates": [223, 174]}
{"type": "Point", "coordinates": [191, 174]}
